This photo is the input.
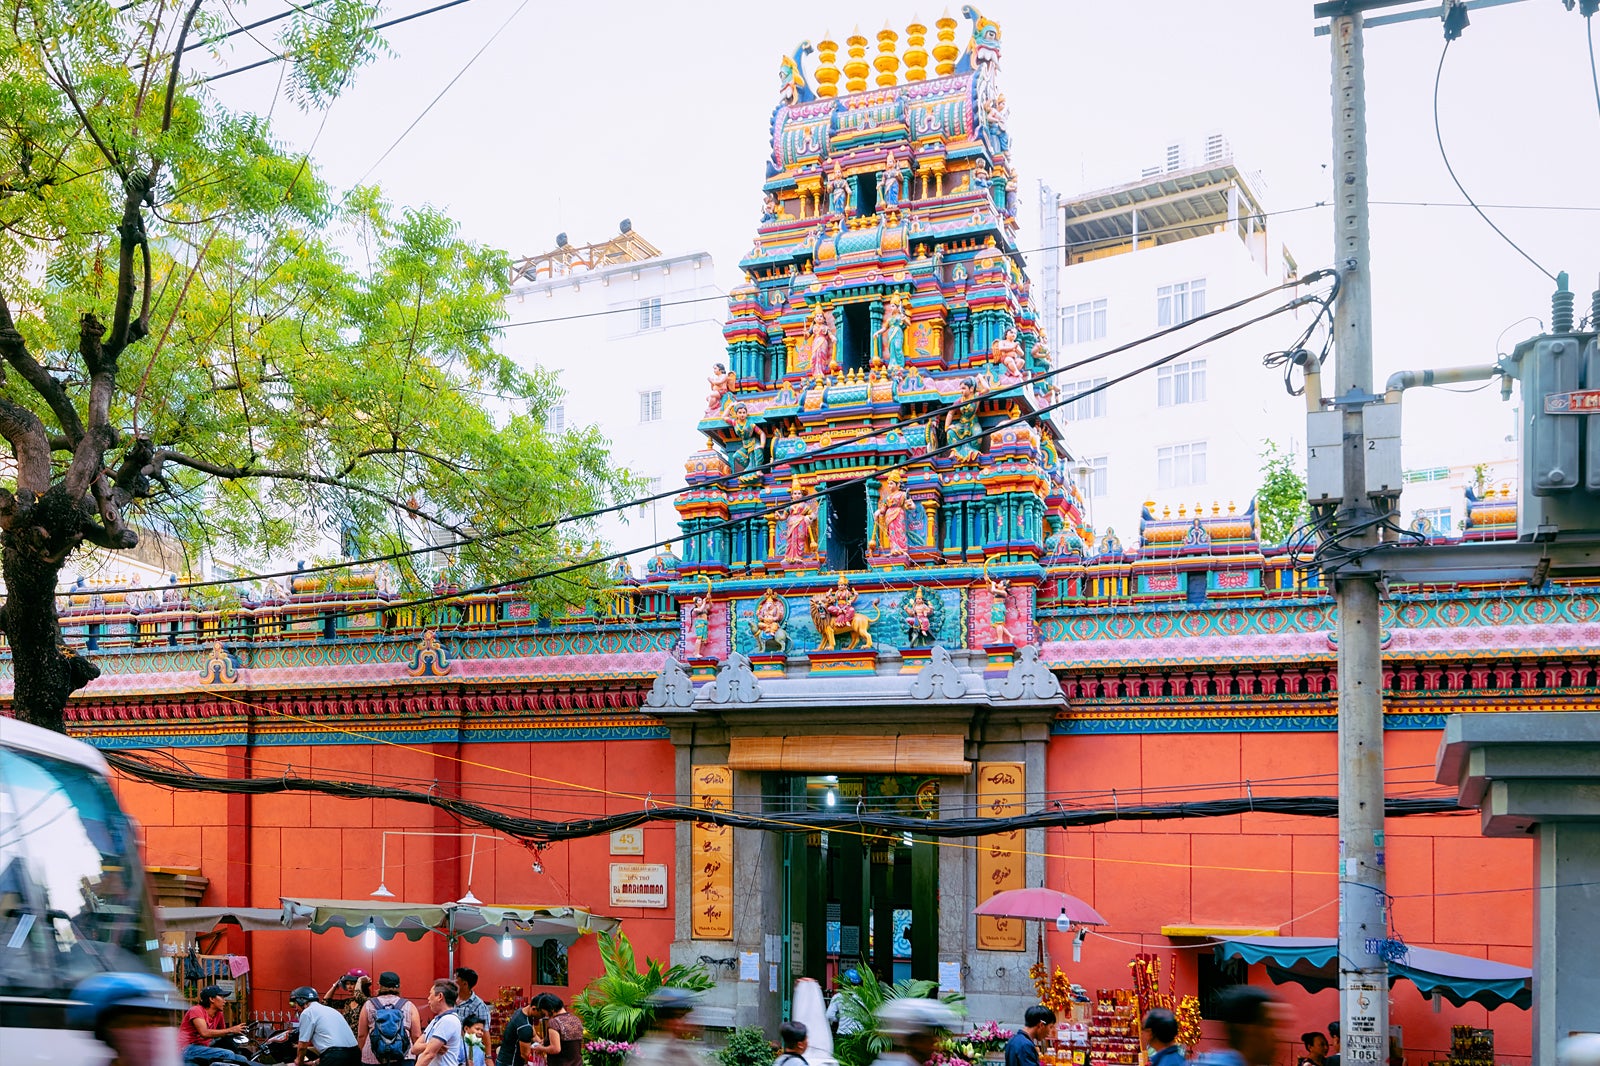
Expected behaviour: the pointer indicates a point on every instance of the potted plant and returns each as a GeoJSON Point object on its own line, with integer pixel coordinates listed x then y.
{"type": "Point", "coordinates": [861, 1004]}
{"type": "Point", "coordinates": [614, 1005]}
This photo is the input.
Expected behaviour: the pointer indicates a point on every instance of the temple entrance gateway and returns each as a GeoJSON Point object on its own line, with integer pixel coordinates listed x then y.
{"type": "Point", "coordinates": [861, 900]}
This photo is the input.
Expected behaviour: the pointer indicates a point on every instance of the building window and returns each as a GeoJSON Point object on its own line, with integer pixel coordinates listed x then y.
{"type": "Point", "coordinates": [1095, 476]}
{"type": "Point", "coordinates": [1440, 522]}
{"type": "Point", "coordinates": [652, 486]}
{"type": "Point", "coordinates": [1181, 383]}
{"type": "Point", "coordinates": [1083, 322]}
{"type": "Point", "coordinates": [1216, 975]}
{"type": "Point", "coordinates": [1179, 302]}
{"type": "Point", "coordinates": [1435, 473]}
{"type": "Point", "coordinates": [558, 419]}
{"type": "Point", "coordinates": [1179, 465]}
{"type": "Point", "coordinates": [1085, 407]}
{"type": "Point", "coordinates": [650, 313]}
{"type": "Point", "coordinates": [650, 405]}
{"type": "Point", "coordinates": [550, 960]}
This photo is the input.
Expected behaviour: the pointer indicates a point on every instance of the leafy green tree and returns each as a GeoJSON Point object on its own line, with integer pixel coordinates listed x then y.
{"type": "Point", "coordinates": [1281, 499]}
{"type": "Point", "coordinates": [615, 1005]}
{"type": "Point", "coordinates": [200, 338]}
{"type": "Point", "coordinates": [861, 1004]}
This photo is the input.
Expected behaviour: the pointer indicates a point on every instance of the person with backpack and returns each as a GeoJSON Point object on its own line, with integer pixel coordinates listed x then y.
{"type": "Point", "coordinates": [389, 1024]}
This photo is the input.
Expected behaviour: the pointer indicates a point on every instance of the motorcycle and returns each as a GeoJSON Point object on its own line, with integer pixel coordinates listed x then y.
{"type": "Point", "coordinates": [265, 1046]}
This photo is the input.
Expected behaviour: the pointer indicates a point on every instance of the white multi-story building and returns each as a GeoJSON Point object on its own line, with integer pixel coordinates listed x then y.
{"type": "Point", "coordinates": [633, 334]}
{"type": "Point", "coordinates": [1138, 257]}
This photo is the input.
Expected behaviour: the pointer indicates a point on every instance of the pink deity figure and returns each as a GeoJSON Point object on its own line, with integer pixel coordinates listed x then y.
{"type": "Point", "coordinates": [799, 532]}
{"type": "Point", "coordinates": [999, 590]}
{"type": "Point", "coordinates": [820, 343]}
{"type": "Point", "coordinates": [842, 605]}
{"type": "Point", "coordinates": [1008, 357]}
{"type": "Point", "coordinates": [889, 523]}
{"type": "Point", "coordinates": [722, 382]}
{"type": "Point", "coordinates": [700, 624]}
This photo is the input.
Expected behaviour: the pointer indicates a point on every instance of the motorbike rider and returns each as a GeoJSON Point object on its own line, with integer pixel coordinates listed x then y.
{"type": "Point", "coordinates": [665, 1043]}
{"type": "Point", "coordinates": [202, 1027]}
{"type": "Point", "coordinates": [131, 1013]}
{"type": "Point", "coordinates": [323, 1032]}
{"type": "Point", "coordinates": [913, 1026]}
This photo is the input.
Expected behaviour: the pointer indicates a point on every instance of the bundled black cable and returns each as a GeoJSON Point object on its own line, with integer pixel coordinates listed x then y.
{"type": "Point", "coordinates": [543, 831]}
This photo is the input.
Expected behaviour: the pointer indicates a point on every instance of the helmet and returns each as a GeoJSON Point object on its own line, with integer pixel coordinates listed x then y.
{"type": "Point", "coordinates": [852, 976]}
{"type": "Point", "coordinates": [671, 1000]}
{"type": "Point", "coordinates": [905, 1016]}
{"type": "Point", "coordinates": [303, 994]}
{"type": "Point", "coordinates": [104, 992]}
{"type": "Point", "coordinates": [1580, 1049]}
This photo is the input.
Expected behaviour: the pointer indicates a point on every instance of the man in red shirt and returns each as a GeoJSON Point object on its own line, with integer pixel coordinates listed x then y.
{"type": "Point", "coordinates": [201, 1024]}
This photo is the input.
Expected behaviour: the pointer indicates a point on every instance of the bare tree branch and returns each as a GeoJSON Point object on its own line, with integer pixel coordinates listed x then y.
{"type": "Point", "coordinates": [44, 383]}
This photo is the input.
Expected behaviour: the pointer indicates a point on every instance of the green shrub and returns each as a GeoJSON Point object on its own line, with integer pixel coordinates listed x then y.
{"type": "Point", "coordinates": [613, 1006]}
{"type": "Point", "coordinates": [746, 1046]}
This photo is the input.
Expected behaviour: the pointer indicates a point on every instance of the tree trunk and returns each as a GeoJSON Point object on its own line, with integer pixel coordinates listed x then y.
{"type": "Point", "coordinates": [45, 671]}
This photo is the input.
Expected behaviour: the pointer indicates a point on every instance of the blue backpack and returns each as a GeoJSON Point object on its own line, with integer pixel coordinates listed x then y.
{"type": "Point", "coordinates": [389, 1038]}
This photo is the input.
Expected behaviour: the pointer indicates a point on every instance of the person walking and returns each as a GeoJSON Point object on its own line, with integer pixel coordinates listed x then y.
{"type": "Point", "coordinates": [913, 1027]}
{"type": "Point", "coordinates": [440, 1043]}
{"type": "Point", "coordinates": [1160, 1030]}
{"type": "Point", "coordinates": [468, 1005]}
{"type": "Point", "coordinates": [793, 1035]}
{"type": "Point", "coordinates": [322, 1030]}
{"type": "Point", "coordinates": [1023, 1047]}
{"type": "Point", "coordinates": [1252, 1019]}
{"type": "Point", "coordinates": [389, 1024]}
{"type": "Point", "coordinates": [523, 1027]}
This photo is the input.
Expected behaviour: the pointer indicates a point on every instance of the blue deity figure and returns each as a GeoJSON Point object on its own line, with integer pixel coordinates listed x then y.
{"type": "Point", "coordinates": [838, 192]}
{"type": "Point", "coordinates": [892, 335]}
{"type": "Point", "coordinates": [962, 428]}
{"type": "Point", "coordinates": [889, 181]}
{"type": "Point", "coordinates": [749, 446]}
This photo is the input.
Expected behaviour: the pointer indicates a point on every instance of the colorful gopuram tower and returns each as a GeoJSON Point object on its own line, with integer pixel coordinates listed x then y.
{"type": "Point", "coordinates": [866, 534]}
{"type": "Point", "coordinates": [876, 466]}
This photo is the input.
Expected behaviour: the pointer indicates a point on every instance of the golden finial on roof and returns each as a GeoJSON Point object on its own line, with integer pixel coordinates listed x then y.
{"type": "Point", "coordinates": [1182, 511]}
{"type": "Point", "coordinates": [855, 69]}
{"type": "Point", "coordinates": [827, 74]}
{"type": "Point", "coordinates": [886, 62]}
{"type": "Point", "coordinates": [945, 52]}
{"type": "Point", "coordinates": [915, 55]}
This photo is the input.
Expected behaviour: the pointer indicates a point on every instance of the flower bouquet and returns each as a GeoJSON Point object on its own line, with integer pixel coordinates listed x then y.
{"type": "Point", "coordinates": [605, 1052]}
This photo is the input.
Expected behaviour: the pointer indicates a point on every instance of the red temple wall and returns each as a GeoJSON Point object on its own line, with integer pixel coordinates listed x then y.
{"type": "Point", "coordinates": [258, 849]}
{"type": "Point", "coordinates": [1453, 888]}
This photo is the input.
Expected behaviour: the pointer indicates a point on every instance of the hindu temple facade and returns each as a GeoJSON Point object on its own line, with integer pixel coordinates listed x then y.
{"type": "Point", "coordinates": [883, 599]}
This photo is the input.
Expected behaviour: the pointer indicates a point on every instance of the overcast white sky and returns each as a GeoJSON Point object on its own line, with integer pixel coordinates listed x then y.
{"type": "Point", "coordinates": [581, 114]}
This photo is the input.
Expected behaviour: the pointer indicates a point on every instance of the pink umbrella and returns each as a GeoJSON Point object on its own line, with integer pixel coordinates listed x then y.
{"type": "Point", "coordinates": [1041, 905]}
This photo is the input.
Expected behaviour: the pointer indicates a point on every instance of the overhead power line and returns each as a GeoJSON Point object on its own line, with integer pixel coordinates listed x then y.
{"type": "Point", "coordinates": [732, 479]}
{"type": "Point", "coordinates": [380, 26]}
{"type": "Point", "coordinates": [544, 831]}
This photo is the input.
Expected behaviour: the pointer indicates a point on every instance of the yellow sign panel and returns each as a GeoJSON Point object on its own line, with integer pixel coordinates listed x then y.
{"type": "Point", "coordinates": [711, 857]}
{"type": "Point", "coordinates": [1000, 859]}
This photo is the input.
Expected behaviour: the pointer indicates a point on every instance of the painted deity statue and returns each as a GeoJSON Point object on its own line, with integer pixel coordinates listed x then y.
{"type": "Point", "coordinates": [842, 606]}
{"type": "Point", "coordinates": [980, 177]}
{"type": "Point", "coordinates": [998, 591]}
{"type": "Point", "coordinates": [890, 181]}
{"type": "Point", "coordinates": [799, 531]}
{"type": "Point", "coordinates": [838, 192]}
{"type": "Point", "coordinates": [892, 335]}
{"type": "Point", "coordinates": [749, 446]}
{"type": "Point", "coordinates": [722, 382]}
{"type": "Point", "coordinates": [962, 430]}
{"type": "Point", "coordinates": [919, 620]}
{"type": "Point", "coordinates": [820, 343]}
{"type": "Point", "coordinates": [1006, 357]}
{"type": "Point", "coordinates": [769, 208]}
{"type": "Point", "coordinates": [700, 624]}
{"type": "Point", "coordinates": [889, 523]}
{"type": "Point", "coordinates": [771, 613]}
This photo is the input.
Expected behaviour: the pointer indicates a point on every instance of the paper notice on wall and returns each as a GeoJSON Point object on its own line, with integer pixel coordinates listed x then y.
{"type": "Point", "coordinates": [749, 965]}
{"type": "Point", "coordinates": [772, 977]}
{"type": "Point", "coordinates": [950, 977]}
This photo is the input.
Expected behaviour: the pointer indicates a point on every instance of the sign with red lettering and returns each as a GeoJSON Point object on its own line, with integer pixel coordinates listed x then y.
{"type": "Point", "coordinates": [638, 884]}
{"type": "Point", "coordinates": [1000, 859]}
{"type": "Point", "coordinates": [1581, 402]}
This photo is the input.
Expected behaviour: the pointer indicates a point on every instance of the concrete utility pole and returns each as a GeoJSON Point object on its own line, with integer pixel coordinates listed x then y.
{"type": "Point", "coordinates": [1363, 911]}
